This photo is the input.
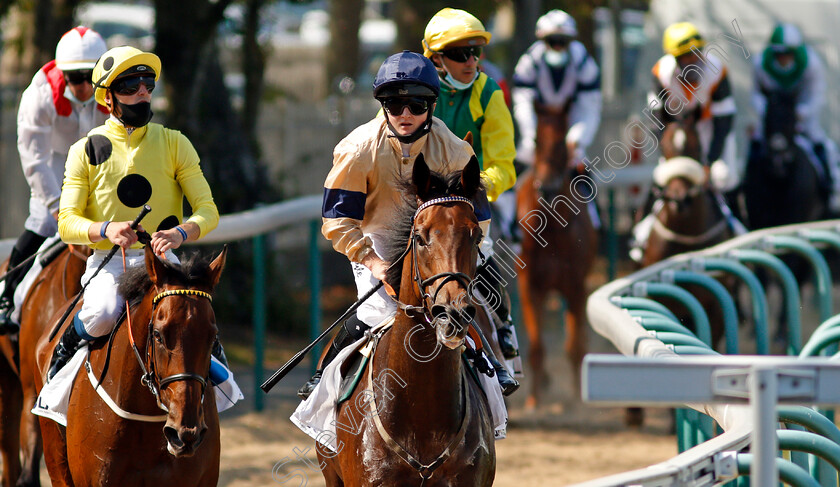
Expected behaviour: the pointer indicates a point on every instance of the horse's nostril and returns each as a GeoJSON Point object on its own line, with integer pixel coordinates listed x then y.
{"type": "Point", "coordinates": [438, 310]}
{"type": "Point", "coordinates": [470, 311]}
{"type": "Point", "coordinates": [172, 437]}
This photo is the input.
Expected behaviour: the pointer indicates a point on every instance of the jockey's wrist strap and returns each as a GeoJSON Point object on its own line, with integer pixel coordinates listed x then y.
{"type": "Point", "coordinates": [103, 228]}
{"type": "Point", "coordinates": [182, 232]}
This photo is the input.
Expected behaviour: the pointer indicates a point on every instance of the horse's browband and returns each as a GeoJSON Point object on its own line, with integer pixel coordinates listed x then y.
{"type": "Point", "coordinates": [174, 292]}
{"type": "Point", "coordinates": [444, 199]}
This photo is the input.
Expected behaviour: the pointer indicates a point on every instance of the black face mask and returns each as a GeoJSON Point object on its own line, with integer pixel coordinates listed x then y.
{"type": "Point", "coordinates": [136, 115]}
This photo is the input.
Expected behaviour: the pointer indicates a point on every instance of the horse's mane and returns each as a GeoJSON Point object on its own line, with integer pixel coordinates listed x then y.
{"type": "Point", "coordinates": [396, 234]}
{"type": "Point", "coordinates": [135, 282]}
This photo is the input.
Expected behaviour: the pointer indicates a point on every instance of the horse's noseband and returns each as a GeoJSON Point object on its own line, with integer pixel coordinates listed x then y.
{"type": "Point", "coordinates": [150, 378]}
{"type": "Point", "coordinates": [445, 277]}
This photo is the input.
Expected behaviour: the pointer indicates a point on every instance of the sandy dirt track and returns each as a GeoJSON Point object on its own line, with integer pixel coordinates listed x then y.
{"type": "Point", "coordinates": [562, 443]}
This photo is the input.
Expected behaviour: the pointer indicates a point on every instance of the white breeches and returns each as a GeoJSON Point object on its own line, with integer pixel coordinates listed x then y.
{"type": "Point", "coordinates": [102, 303]}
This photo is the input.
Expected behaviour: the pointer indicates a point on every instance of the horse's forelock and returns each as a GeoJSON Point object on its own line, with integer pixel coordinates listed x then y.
{"type": "Point", "coordinates": [193, 271]}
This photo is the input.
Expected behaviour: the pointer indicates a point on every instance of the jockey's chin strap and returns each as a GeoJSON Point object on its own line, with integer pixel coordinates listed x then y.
{"type": "Point", "coordinates": [150, 378]}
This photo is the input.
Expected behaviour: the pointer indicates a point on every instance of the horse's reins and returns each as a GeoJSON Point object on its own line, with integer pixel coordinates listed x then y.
{"type": "Point", "coordinates": [425, 471]}
{"type": "Point", "coordinates": [150, 377]}
{"type": "Point", "coordinates": [683, 239]}
{"type": "Point", "coordinates": [422, 284]}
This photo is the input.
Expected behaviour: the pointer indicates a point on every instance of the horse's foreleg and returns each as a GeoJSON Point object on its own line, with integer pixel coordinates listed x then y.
{"type": "Point", "coordinates": [30, 440]}
{"type": "Point", "coordinates": [532, 305]}
{"type": "Point", "coordinates": [55, 453]}
{"type": "Point", "coordinates": [330, 471]}
{"type": "Point", "coordinates": [576, 336]}
{"type": "Point", "coordinates": [10, 406]}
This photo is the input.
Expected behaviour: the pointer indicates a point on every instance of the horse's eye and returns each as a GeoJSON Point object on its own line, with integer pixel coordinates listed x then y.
{"type": "Point", "coordinates": [156, 335]}
{"type": "Point", "coordinates": [420, 240]}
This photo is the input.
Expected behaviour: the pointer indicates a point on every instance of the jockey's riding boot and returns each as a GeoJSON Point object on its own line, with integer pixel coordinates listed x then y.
{"type": "Point", "coordinates": [508, 384]}
{"type": "Point", "coordinates": [64, 351]}
{"type": "Point", "coordinates": [349, 332]}
{"type": "Point", "coordinates": [7, 326]}
{"type": "Point", "coordinates": [822, 157]}
{"type": "Point", "coordinates": [26, 245]}
{"type": "Point", "coordinates": [219, 352]}
{"type": "Point", "coordinates": [506, 343]}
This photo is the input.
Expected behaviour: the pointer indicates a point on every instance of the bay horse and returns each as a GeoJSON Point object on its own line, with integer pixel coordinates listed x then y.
{"type": "Point", "coordinates": [167, 432]}
{"type": "Point", "coordinates": [781, 185]}
{"type": "Point", "coordinates": [57, 282]}
{"type": "Point", "coordinates": [436, 428]}
{"type": "Point", "coordinates": [559, 256]}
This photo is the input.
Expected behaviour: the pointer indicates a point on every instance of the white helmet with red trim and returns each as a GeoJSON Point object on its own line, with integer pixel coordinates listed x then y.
{"type": "Point", "coordinates": [79, 48]}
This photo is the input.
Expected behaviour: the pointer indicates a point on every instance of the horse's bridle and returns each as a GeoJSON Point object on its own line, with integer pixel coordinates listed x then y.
{"type": "Point", "coordinates": [422, 284]}
{"type": "Point", "coordinates": [150, 378]}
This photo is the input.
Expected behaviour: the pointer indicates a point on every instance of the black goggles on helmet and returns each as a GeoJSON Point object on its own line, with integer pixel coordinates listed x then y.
{"type": "Point", "coordinates": [462, 54]}
{"type": "Point", "coordinates": [131, 85]}
{"type": "Point", "coordinates": [557, 41]}
{"type": "Point", "coordinates": [77, 77]}
{"type": "Point", "coordinates": [395, 106]}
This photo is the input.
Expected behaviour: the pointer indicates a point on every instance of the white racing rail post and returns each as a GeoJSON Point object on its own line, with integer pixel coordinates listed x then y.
{"type": "Point", "coordinates": [760, 381]}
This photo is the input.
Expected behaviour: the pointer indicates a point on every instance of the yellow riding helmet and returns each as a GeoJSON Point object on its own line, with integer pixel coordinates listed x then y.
{"type": "Point", "coordinates": [115, 62]}
{"type": "Point", "coordinates": [680, 38]}
{"type": "Point", "coordinates": [448, 26]}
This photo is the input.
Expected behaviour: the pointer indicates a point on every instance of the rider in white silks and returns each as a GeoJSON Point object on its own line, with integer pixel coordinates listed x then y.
{"type": "Point", "coordinates": [56, 110]}
{"type": "Point", "coordinates": [554, 71]}
{"type": "Point", "coordinates": [361, 197]}
{"type": "Point", "coordinates": [789, 66]}
{"type": "Point", "coordinates": [690, 83]}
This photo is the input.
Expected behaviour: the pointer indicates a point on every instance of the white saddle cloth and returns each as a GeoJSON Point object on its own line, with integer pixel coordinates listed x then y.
{"type": "Point", "coordinates": [317, 415]}
{"type": "Point", "coordinates": [54, 399]}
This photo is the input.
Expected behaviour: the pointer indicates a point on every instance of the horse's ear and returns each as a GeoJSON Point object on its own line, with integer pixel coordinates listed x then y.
{"type": "Point", "coordinates": [216, 267]}
{"type": "Point", "coordinates": [471, 177]}
{"type": "Point", "coordinates": [468, 138]}
{"type": "Point", "coordinates": [421, 176]}
{"type": "Point", "coordinates": [154, 266]}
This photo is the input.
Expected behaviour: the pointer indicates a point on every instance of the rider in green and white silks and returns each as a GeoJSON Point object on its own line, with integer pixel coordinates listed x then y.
{"type": "Point", "coordinates": [788, 65]}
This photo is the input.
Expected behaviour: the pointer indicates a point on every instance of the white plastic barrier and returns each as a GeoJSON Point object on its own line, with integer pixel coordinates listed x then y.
{"type": "Point", "coordinates": [708, 463]}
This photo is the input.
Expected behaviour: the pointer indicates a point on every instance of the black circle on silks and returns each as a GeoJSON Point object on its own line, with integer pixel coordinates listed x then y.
{"type": "Point", "coordinates": [134, 190]}
{"type": "Point", "coordinates": [98, 149]}
{"type": "Point", "coordinates": [169, 222]}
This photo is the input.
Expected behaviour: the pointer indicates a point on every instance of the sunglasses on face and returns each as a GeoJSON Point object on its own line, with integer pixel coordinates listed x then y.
{"type": "Point", "coordinates": [557, 41]}
{"type": "Point", "coordinates": [78, 77]}
{"type": "Point", "coordinates": [395, 106]}
{"type": "Point", "coordinates": [130, 86]}
{"type": "Point", "coordinates": [462, 54]}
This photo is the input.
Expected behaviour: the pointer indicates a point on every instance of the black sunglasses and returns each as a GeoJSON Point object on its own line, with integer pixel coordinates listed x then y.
{"type": "Point", "coordinates": [462, 54]}
{"type": "Point", "coordinates": [396, 105]}
{"type": "Point", "coordinates": [130, 86]}
{"type": "Point", "coordinates": [79, 77]}
{"type": "Point", "coordinates": [557, 40]}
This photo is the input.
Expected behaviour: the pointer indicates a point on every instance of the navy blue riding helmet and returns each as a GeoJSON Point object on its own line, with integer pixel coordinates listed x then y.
{"type": "Point", "coordinates": [408, 74]}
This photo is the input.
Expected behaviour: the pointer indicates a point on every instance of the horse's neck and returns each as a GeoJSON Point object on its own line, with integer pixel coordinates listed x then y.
{"type": "Point", "coordinates": [431, 372]}
{"type": "Point", "coordinates": [124, 372]}
{"type": "Point", "coordinates": [700, 216]}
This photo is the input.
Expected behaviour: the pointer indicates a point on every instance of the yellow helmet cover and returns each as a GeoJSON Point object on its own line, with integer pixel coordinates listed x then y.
{"type": "Point", "coordinates": [115, 62]}
{"type": "Point", "coordinates": [448, 26]}
{"type": "Point", "coordinates": [680, 38]}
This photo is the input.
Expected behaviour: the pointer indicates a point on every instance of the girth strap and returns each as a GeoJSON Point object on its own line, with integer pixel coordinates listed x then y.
{"type": "Point", "coordinates": [425, 471]}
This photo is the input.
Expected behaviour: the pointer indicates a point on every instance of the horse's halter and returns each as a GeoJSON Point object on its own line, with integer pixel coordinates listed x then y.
{"type": "Point", "coordinates": [422, 284]}
{"type": "Point", "coordinates": [150, 378]}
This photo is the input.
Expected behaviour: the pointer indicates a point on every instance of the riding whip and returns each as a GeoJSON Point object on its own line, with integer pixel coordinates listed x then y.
{"type": "Point", "coordinates": [146, 209]}
{"type": "Point", "coordinates": [31, 258]}
{"type": "Point", "coordinates": [294, 361]}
